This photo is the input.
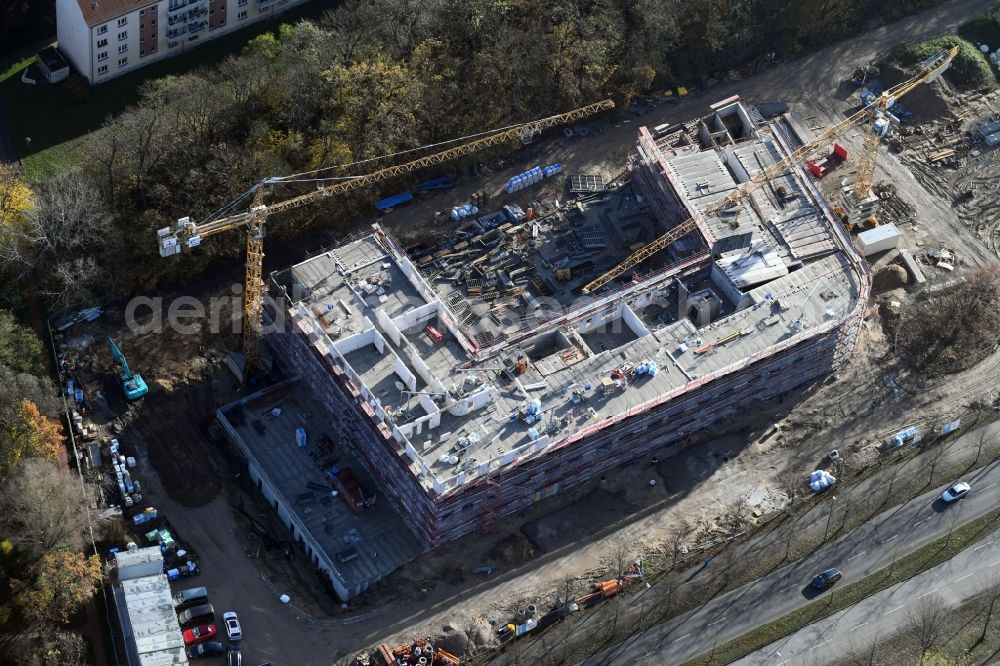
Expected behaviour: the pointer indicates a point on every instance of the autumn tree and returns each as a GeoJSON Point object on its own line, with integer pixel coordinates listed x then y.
{"type": "Point", "coordinates": [17, 202]}
{"type": "Point", "coordinates": [63, 581]}
{"type": "Point", "coordinates": [28, 434]}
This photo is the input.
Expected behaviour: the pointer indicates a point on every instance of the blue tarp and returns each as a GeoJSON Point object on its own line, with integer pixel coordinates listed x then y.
{"type": "Point", "coordinates": [396, 200]}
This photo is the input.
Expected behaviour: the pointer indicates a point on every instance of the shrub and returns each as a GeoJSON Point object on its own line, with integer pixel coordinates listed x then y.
{"type": "Point", "coordinates": [983, 29]}
{"type": "Point", "coordinates": [969, 70]}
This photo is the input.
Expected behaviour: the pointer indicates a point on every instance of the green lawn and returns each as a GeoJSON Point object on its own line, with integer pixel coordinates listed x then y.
{"type": "Point", "coordinates": [57, 127]}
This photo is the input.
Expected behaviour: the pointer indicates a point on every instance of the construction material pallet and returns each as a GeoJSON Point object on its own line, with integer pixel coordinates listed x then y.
{"type": "Point", "coordinates": [586, 183]}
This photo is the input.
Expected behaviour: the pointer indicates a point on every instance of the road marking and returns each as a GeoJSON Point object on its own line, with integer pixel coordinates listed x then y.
{"type": "Point", "coordinates": [722, 619]}
{"type": "Point", "coordinates": [965, 576]}
{"type": "Point", "coordinates": [918, 523]}
{"type": "Point", "coordinates": [890, 538]}
{"type": "Point", "coordinates": [987, 487]}
{"type": "Point", "coordinates": [995, 563]}
{"type": "Point", "coordinates": [818, 645]}
{"type": "Point", "coordinates": [893, 610]}
{"type": "Point", "coordinates": [856, 556]}
{"type": "Point", "coordinates": [857, 625]}
{"type": "Point", "coordinates": [681, 638]}
{"type": "Point", "coordinates": [983, 545]}
{"type": "Point", "coordinates": [927, 593]}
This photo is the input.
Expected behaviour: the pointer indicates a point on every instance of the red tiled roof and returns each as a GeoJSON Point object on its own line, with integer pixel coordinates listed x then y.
{"type": "Point", "coordinates": [96, 12]}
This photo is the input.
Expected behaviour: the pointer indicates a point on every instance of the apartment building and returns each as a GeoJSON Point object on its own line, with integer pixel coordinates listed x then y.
{"type": "Point", "coordinates": [107, 38]}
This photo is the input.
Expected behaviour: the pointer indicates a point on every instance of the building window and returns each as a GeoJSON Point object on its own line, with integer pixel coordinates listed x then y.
{"type": "Point", "coordinates": [103, 29]}
{"type": "Point", "coordinates": [142, 52]}
{"type": "Point", "coordinates": [122, 21]}
{"type": "Point", "coordinates": [142, 12]}
{"type": "Point", "coordinates": [123, 35]}
{"type": "Point", "coordinates": [103, 55]}
{"type": "Point", "coordinates": [142, 26]}
{"type": "Point", "coordinates": [153, 22]}
{"type": "Point", "coordinates": [242, 3]}
{"type": "Point", "coordinates": [123, 48]}
{"type": "Point", "coordinates": [242, 15]}
{"type": "Point", "coordinates": [101, 43]}
{"type": "Point", "coordinates": [122, 62]}
{"type": "Point", "coordinates": [142, 40]}
{"type": "Point", "coordinates": [103, 69]}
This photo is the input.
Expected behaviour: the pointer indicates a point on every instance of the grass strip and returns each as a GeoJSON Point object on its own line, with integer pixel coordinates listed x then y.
{"type": "Point", "coordinates": [902, 569]}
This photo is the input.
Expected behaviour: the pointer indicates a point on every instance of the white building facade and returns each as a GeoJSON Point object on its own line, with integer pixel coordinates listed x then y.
{"type": "Point", "coordinates": [107, 38]}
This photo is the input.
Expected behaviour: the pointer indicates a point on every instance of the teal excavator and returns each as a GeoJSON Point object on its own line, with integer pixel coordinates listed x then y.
{"type": "Point", "coordinates": [133, 385]}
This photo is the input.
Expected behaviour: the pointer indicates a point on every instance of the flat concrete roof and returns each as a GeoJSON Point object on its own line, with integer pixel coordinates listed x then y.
{"type": "Point", "coordinates": [383, 541]}
{"type": "Point", "coordinates": [146, 611]}
{"type": "Point", "coordinates": [461, 410]}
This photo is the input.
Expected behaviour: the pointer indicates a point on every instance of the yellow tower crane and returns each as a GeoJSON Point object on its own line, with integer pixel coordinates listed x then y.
{"type": "Point", "coordinates": [878, 124]}
{"type": "Point", "coordinates": [186, 233]}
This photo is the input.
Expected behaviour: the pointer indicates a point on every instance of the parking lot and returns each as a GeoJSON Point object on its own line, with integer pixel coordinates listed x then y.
{"type": "Point", "coordinates": [232, 560]}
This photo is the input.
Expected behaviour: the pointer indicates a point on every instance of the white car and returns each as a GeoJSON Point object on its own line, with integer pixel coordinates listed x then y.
{"type": "Point", "coordinates": [956, 492]}
{"type": "Point", "coordinates": [232, 625]}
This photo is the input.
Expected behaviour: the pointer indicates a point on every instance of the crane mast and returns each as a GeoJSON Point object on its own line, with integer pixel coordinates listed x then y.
{"type": "Point", "coordinates": [872, 114]}
{"type": "Point", "coordinates": [186, 233]}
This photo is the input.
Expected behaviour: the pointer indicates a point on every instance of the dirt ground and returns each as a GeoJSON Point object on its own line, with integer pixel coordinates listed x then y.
{"type": "Point", "coordinates": [568, 537]}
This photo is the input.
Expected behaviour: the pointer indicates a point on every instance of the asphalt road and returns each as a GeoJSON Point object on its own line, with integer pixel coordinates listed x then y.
{"type": "Point", "coordinates": [853, 628]}
{"type": "Point", "coordinates": [870, 547]}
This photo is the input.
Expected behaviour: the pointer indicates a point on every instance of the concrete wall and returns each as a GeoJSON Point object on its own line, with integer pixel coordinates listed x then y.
{"type": "Point", "coordinates": [74, 36]}
{"type": "Point", "coordinates": [438, 518]}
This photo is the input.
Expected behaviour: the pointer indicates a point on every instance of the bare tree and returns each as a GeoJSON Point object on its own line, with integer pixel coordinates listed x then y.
{"type": "Point", "coordinates": [934, 457]}
{"type": "Point", "coordinates": [71, 281]}
{"type": "Point", "coordinates": [735, 514]}
{"type": "Point", "coordinates": [676, 536]}
{"type": "Point", "coordinates": [58, 648]}
{"type": "Point", "coordinates": [990, 601]}
{"type": "Point", "coordinates": [69, 214]}
{"type": "Point", "coordinates": [984, 438]}
{"type": "Point", "coordinates": [926, 623]}
{"type": "Point", "coordinates": [40, 508]}
{"type": "Point", "coordinates": [861, 655]}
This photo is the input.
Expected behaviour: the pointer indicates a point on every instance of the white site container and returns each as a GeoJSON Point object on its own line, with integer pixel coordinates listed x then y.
{"type": "Point", "coordinates": [881, 238]}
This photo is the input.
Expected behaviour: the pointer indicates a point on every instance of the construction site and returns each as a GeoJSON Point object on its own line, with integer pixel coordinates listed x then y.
{"type": "Point", "coordinates": [617, 339]}
{"type": "Point", "coordinates": [467, 384]}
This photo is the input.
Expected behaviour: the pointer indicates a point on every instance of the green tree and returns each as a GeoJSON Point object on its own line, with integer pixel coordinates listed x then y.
{"type": "Point", "coordinates": [20, 349]}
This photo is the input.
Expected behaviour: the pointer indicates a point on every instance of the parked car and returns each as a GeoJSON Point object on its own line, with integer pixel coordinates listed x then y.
{"type": "Point", "coordinates": [190, 597]}
{"type": "Point", "coordinates": [202, 650]}
{"type": "Point", "coordinates": [826, 579]}
{"type": "Point", "coordinates": [203, 614]}
{"type": "Point", "coordinates": [232, 622]}
{"type": "Point", "coordinates": [956, 492]}
{"type": "Point", "coordinates": [233, 656]}
{"type": "Point", "coordinates": [200, 634]}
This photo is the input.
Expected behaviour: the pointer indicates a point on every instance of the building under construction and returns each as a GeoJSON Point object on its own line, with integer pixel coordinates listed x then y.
{"type": "Point", "coordinates": [464, 382]}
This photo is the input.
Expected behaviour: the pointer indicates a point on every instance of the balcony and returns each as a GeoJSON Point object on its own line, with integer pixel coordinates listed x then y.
{"type": "Point", "coordinates": [192, 14]}
{"type": "Point", "coordinates": [266, 4]}
{"type": "Point", "coordinates": [180, 5]}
